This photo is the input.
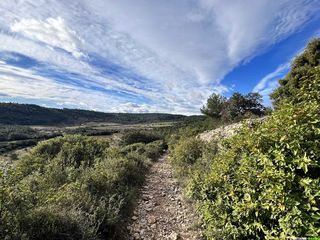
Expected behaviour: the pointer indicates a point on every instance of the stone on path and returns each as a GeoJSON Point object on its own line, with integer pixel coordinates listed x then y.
{"type": "Point", "coordinates": [161, 212]}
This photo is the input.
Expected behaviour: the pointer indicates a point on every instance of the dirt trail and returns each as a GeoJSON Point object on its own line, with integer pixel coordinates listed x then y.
{"type": "Point", "coordinates": [161, 212]}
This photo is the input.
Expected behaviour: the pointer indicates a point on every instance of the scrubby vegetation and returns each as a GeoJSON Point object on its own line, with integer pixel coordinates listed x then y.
{"type": "Point", "coordinates": [135, 136]}
{"type": "Point", "coordinates": [72, 187]}
{"type": "Point", "coordinates": [13, 137]}
{"type": "Point", "coordinates": [262, 183]}
{"type": "Point", "coordinates": [12, 132]}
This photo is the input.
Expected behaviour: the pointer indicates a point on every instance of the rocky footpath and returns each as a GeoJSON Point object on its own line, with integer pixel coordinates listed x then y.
{"type": "Point", "coordinates": [161, 212]}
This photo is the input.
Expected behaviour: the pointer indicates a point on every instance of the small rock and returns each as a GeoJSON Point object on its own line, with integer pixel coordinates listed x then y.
{"type": "Point", "coordinates": [136, 236]}
{"type": "Point", "coordinates": [145, 197]}
{"type": "Point", "coordinates": [174, 236]}
{"type": "Point", "coordinates": [134, 218]}
{"type": "Point", "coordinates": [152, 220]}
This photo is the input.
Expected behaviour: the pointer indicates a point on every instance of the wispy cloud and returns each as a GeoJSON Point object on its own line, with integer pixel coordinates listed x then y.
{"type": "Point", "coordinates": [142, 56]}
{"type": "Point", "coordinates": [270, 82]}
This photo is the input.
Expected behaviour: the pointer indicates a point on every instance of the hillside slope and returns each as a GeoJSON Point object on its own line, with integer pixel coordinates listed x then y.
{"type": "Point", "coordinates": [29, 114]}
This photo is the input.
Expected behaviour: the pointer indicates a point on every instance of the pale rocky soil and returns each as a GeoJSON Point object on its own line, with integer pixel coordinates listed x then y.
{"type": "Point", "coordinates": [227, 131]}
{"type": "Point", "coordinates": [162, 212]}
{"type": "Point", "coordinates": [220, 133]}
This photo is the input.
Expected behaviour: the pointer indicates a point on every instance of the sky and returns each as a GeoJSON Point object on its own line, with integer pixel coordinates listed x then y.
{"type": "Point", "coordinates": [148, 55]}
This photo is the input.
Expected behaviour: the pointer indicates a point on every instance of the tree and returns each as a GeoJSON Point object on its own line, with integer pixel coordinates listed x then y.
{"type": "Point", "coordinates": [236, 107]}
{"type": "Point", "coordinates": [240, 105]}
{"type": "Point", "coordinates": [214, 106]}
{"type": "Point", "coordinates": [254, 104]}
{"type": "Point", "coordinates": [300, 68]}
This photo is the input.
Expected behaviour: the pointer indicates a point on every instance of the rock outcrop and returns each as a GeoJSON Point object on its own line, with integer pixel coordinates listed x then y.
{"type": "Point", "coordinates": [228, 130]}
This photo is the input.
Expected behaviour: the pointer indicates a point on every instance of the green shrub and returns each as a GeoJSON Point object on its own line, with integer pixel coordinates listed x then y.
{"type": "Point", "coordinates": [151, 150]}
{"type": "Point", "coordinates": [154, 150]}
{"type": "Point", "coordinates": [138, 137]}
{"type": "Point", "coordinates": [71, 187]}
{"type": "Point", "coordinates": [136, 147]}
{"type": "Point", "coordinates": [263, 183]}
{"type": "Point", "coordinates": [185, 154]}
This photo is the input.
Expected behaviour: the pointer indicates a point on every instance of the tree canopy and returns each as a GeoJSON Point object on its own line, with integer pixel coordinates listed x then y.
{"type": "Point", "coordinates": [237, 106]}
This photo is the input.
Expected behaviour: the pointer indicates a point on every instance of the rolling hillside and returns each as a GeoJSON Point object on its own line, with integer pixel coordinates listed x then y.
{"type": "Point", "coordinates": [29, 114]}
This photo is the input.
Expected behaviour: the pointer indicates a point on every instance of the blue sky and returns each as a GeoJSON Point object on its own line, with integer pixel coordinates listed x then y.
{"type": "Point", "coordinates": [147, 55]}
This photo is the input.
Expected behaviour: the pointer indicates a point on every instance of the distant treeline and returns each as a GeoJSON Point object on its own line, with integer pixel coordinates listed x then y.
{"type": "Point", "coordinates": [29, 114]}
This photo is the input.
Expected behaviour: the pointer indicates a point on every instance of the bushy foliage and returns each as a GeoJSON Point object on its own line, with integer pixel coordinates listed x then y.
{"type": "Point", "coordinates": [154, 149]}
{"type": "Point", "coordinates": [137, 136]}
{"type": "Point", "coordinates": [185, 153]}
{"type": "Point", "coordinates": [150, 151]}
{"type": "Point", "coordinates": [237, 107]}
{"type": "Point", "coordinates": [70, 187]}
{"type": "Point", "coordinates": [263, 183]}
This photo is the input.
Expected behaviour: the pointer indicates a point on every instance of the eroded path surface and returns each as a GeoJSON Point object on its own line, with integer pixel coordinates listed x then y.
{"type": "Point", "coordinates": [161, 211]}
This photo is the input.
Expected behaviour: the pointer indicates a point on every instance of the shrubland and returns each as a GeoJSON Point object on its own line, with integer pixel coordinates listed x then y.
{"type": "Point", "coordinates": [262, 183]}
{"type": "Point", "coordinates": [73, 187]}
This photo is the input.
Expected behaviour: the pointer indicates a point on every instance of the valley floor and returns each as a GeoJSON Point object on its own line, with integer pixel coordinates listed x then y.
{"type": "Point", "coordinates": [161, 211]}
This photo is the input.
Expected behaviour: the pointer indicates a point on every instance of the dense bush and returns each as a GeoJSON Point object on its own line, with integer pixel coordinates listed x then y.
{"type": "Point", "coordinates": [70, 187]}
{"type": "Point", "coordinates": [136, 136]}
{"type": "Point", "coordinates": [186, 152]}
{"type": "Point", "coordinates": [150, 151]}
{"type": "Point", "coordinates": [154, 149]}
{"type": "Point", "coordinates": [262, 183]}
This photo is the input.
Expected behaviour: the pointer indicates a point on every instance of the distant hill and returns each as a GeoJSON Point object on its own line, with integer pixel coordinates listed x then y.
{"type": "Point", "coordinates": [30, 114]}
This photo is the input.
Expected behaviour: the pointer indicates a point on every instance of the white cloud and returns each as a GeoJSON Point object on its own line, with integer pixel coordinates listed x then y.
{"type": "Point", "coordinates": [23, 83]}
{"type": "Point", "coordinates": [182, 49]}
{"type": "Point", "coordinates": [270, 82]}
{"type": "Point", "coordinates": [52, 31]}
{"type": "Point", "coordinates": [267, 82]}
